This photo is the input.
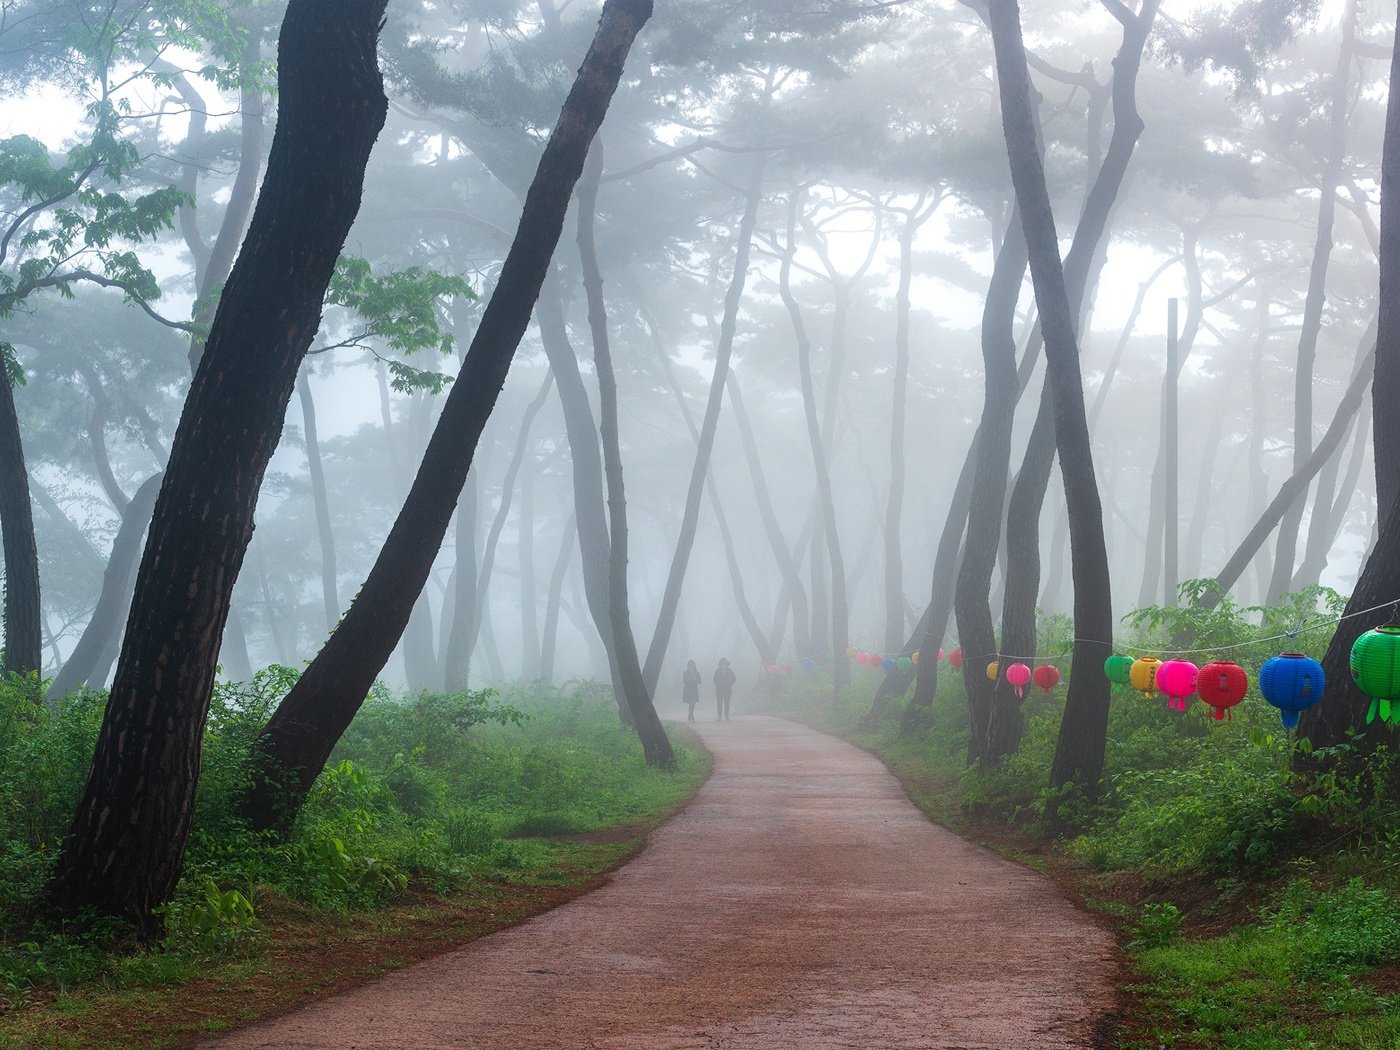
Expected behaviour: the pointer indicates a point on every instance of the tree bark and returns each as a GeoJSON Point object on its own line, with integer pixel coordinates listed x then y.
{"type": "Point", "coordinates": [24, 634]}
{"type": "Point", "coordinates": [1385, 394]}
{"type": "Point", "coordinates": [1080, 750]}
{"type": "Point", "coordinates": [293, 747]}
{"type": "Point", "coordinates": [529, 598]}
{"type": "Point", "coordinates": [636, 691]}
{"type": "Point", "coordinates": [549, 637]}
{"type": "Point", "coordinates": [685, 540]}
{"type": "Point", "coordinates": [125, 851]}
{"type": "Point", "coordinates": [112, 603]}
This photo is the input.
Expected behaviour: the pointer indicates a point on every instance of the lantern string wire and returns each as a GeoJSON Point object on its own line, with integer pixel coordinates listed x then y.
{"type": "Point", "coordinates": [1303, 627]}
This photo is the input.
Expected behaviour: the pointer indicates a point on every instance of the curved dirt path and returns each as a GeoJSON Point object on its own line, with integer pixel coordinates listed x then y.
{"type": "Point", "coordinates": [800, 901]}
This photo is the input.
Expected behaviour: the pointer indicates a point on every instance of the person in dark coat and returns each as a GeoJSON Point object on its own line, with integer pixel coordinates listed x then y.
{"type": "Point", "coordinates": [724, 689]}
{"type": "Point", "coordinates": [690, 688]}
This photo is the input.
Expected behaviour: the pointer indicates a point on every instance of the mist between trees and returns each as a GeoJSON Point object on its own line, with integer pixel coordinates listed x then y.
{"type": "Point", "coordinates": [764, 379]}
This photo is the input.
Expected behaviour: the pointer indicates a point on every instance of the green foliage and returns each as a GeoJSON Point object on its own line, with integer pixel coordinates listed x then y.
{"type": "Point", "coordinates": [435, 790]}
{"type": "Point", "coordinates": [398, 310]}
{"type": "Point", "coordinates": [1159, 925]}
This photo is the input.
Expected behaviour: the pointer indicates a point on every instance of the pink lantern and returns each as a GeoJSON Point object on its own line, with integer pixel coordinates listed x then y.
{"type": "Point", "coordinates": [772, 668]}
{"type": "Point", "coordinates": [1018, 676]}
{"type": "Point", "coordinates": [862, 657]}
{"type": "Point", "coordinates": [940, 654]}
{"type": "Point", "coordinates": [1176, 680]}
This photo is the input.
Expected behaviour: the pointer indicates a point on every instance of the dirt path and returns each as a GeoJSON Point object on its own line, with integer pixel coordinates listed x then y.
{"type": "Point", "coordinates": [800, 901]}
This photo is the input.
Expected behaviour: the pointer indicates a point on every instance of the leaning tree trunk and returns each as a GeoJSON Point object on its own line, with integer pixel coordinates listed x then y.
{"type": "Point", "coordinates": [1287, 545]}
{"type": "Point", "coordinates": [24, 635]}
{"type": "Point", "coordinates": [629, 664]}
{"type": "Point", "coordinates": [685, 540]}
{"type": "Point", "coordinates": [1023, 570]}
{"type": "Point", "coordinates": [1079, 753]}
{"type": "Point", "coordinates": [82, 666]}
{"type": "Point", "coordinates": [1385, 395]}
{"type": "Point", "coordinates": [549, 634]}
{"type": "Point", "coordinates": [1328, 519]}
{"type": "Point", "coordinates": [332, 106]}
{"type": "Point", "coordinates": [292, 749]}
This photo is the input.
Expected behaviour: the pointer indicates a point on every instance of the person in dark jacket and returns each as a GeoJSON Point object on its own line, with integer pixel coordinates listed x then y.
{"type": "Point", "coordinates": [724, 689]}
{"type": "Point", "coordinates": [690, 688]}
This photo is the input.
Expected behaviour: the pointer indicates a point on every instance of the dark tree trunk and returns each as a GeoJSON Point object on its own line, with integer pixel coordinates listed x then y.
{"type": "Point", "coordinates": [1080, 750]}
{"type": "Point", "coordinates": [970, 601]}
{"type": "Point", "coordinates": [330, 598]}
{"type": "Point", "coordinates": [636, 691]}
{"type": "Point", "coordinates": [1385, 395]}
{"type": "Point", "coordinates": [24, 634]}
{"type": "Point", "coordinates": [115, 598]}
{"type": "Point", "coordinates": [685, 540]}
{"type": "Point", "coordinates": [549, 639]}
{"type": "Point", "coordinates": [293, 747]}
{"type": "Point", "coordinates": [332, 107]}
{"type": "Point", "coordinates": [1316, 301]}
{"type": "Point", "coordinates": [1328, 520]}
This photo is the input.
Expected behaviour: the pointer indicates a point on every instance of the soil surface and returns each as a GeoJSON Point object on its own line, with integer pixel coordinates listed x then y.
{"type": "Point", "coordinates": [801, 900]}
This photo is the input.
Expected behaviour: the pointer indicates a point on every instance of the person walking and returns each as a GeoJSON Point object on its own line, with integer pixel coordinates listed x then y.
{"type": "Point", "coordinates": [690, 688]}
{"type": "Point", "coordinates": [724, 689]}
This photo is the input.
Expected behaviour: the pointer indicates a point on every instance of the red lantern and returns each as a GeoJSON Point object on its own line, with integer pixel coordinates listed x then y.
{"type": "Point", "coordinates": [789, 668]}
{"type": "Point", "coordinates": [1176, 680]}
{"type": "Point", "coordinates": [1019, 676]}
{"type": "Point", "coordinates": [1222, 685]}
{"type": "Point", "coordinates": [772, 668]}
{"type": "Point", "coordinates": [1047, 676]}
{"type": "Point", "coordinates": [955, 659]}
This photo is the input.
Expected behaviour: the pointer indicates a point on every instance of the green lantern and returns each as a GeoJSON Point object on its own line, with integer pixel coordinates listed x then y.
{"type": "Point", "coordinates": [1118, 669]}
{"type": "Point", "coordinates": [905, 664]}
{"type": "Point", "coordinates": [1375, 668]}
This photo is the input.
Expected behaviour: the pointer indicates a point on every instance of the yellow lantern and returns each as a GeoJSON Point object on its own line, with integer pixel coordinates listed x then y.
{"type": "Point", "coordinates": [1143, 675]}
{"type": "Point", "coordinates": [994, 669]}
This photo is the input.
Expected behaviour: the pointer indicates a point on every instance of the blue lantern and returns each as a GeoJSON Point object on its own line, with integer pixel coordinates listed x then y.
{"type": "Point", "coordinates": [809, 666]}
{"type": "Point", "coordinates": [1292, 683]}
{"type": "Point", "coordinates": [887, 664]}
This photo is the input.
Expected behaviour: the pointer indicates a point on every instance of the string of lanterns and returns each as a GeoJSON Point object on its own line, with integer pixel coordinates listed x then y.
{"type": "Point", "coordinates": [1290, 682]}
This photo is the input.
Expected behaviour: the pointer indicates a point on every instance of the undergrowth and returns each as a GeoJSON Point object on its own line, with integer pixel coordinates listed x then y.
{"type": "Point", "coordinates": [429, 792]}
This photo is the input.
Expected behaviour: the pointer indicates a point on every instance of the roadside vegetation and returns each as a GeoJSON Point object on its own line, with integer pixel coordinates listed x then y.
{"type": "Point", "coordinates": [439, 817]}
{"type": "Point", "coordinates": [1258, 903]}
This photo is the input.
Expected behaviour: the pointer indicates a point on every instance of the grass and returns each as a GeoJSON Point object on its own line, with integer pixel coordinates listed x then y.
{"type": "Point", "coordinates": [1256, 907]}
{"type": "Point", "coordinates": [439, 819]}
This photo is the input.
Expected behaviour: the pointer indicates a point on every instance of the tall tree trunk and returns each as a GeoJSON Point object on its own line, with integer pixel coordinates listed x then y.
{"type": "Point", "coordinates": [529, 597]}
{"type": "Point", "coordinates": [1327, 520]}
{"type": "Point", "coordinates": [636, 690]}
{"type": "Point", "coordinates": [465, 597]}
{"type": "Point", "coordinates": [1080, 750]}
{"type": "Point", "coordinates": [1385, 394]}
{"type": "Point", "coordinates": [549, 639]}
{"type": "Point", "coordinates": [1314, 304]}
{"type": "Point", "coordinates": [330, 598]}
{"type": "Point", "coordinates": [332, 107]}
{"type": "Point", "coordinates": [24, 634]}
{"type": "Point", "coordinates": [970, 600]}
{"type": "Point", "coordinates": [114, 599]}
{"type": "Point", "coordinates": [293, 747]}
{"type": "Point", "coordinates": [840, 632]}
{"type": "Point", "coordinates": [670, 599]}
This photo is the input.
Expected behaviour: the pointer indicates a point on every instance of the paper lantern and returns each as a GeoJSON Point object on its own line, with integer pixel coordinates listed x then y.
{"type": "Point", "coordinates": [1118, 669]}
{"type": "Point", "coordinates": [993, 669]}
{"type": "Point", "coordinates": [940, 654]}
{"type": "Point", "coordinates": [1018, 676]}
{"type": "Point", "coordinates": [789, 668]}
{"type": "Point", "coordinates": [887, 664]}
{"type": "Point", "coordinates": [955, 660]}
{"type": "Point", "coordinates": [914, 658]}
{"type": "Point", "coordinates": [1222, 685]}
{"type": "Point", "coordinates": [809, 666]}
{"type": "Point", "coordinates": [1047, 676]}
{"type": "Point", "coordinates": [862, 658]}
{"type": "Point", "coordinates": [850, 650]}
{"type": "Point", "coordinates": [1375, 668]}
{"type": "Point", "coordinates": [1176, 680]}
{"type": "Point", "coordinates": [876, 660]}
{"type": "Point", "coordinates": [1143, 675]}
{"type": "Point", "coordinates": [772, 668]}
{"type": "Point", "coordinates": [1292, 682]}
{"type": "Point", "coordinates": [905, 664]}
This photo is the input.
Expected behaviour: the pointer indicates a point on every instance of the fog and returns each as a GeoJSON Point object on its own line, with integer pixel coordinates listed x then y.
{"type": "Point", "coordinates": [865, 140]}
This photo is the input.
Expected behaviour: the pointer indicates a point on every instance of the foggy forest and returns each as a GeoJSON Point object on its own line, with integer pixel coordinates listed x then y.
{"type": "Point", "coordinates": [686, 477]}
